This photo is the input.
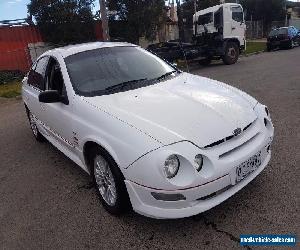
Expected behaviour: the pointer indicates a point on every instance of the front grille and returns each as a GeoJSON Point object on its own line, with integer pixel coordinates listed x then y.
{"type": "Point", "coordinates": [228, 137]}
{"type": "Point", "coordinates": [238, 147]}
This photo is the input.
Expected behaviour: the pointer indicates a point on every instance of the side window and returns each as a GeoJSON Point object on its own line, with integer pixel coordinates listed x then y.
{"type": "Point", "coordinates": [237, 14]}
{"type": "Point", "coordinates": [205, 19]}
{"type": "Point", "coordinates": [54, 78]}
{"type": "Point", "coordinates": [36, 76]}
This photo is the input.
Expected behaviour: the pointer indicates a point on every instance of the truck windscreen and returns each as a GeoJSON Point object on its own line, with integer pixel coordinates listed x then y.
{"type": "Point", "coordinates": [205, 19]}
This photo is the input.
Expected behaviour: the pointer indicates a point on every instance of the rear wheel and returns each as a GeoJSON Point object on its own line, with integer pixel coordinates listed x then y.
{"type": "Point", "coordinates": [290, 44]}
{"type": "Point", "coordinates": [231, 53]}
{"type": "Point", "coordinates": [109, 182]}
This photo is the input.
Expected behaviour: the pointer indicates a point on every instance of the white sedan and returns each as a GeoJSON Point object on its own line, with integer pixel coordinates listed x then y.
{"type": "Point", "coordinates": [167, 143]}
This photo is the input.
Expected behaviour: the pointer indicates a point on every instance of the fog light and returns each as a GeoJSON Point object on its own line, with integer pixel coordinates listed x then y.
{"type": "Point", "coordinates": [168, 197]}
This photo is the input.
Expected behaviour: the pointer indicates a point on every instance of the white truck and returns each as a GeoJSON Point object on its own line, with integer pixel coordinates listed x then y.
{"type": "Point", "coordinates": [218, 33]}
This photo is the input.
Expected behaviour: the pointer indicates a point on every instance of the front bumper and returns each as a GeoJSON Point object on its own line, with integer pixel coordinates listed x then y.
{"type": "Point", "coordinates": [198, 199]}
{"type": "Point", "coordinates": [279, 43]}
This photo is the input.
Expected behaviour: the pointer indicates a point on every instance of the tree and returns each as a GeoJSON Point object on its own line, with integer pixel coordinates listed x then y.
{"type": "Point", "coordinates": [63, 21]}
{"type": "Point", "coordinates": [137, 18]}
{"type": "Point", "coordinates": [266, 10]}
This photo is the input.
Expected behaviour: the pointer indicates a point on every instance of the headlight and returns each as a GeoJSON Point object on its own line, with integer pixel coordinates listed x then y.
{"type": "Point", "coordinates": [199, 162]}
{"type": "Point", "coordinates": [171, 166]}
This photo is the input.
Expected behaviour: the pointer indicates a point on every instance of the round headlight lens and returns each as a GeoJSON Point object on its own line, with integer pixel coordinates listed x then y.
{"type": "Point", "coordinates": [171, 166]}
{"type": "Point", "coordinates": [199, 162]}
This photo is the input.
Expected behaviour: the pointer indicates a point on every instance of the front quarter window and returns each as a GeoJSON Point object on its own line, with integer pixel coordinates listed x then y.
{"type": "Point", "coordinates": [94, 72]}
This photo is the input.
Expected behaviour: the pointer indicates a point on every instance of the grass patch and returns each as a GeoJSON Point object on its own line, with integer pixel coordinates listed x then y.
{"type": "Point", "coordinates": [253, 47]}
{"type": "Point", "coordinates": [11, 89]}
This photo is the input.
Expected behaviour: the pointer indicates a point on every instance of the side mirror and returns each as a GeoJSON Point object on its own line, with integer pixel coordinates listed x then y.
{"type": "Point", "coordinates": [50, 96]}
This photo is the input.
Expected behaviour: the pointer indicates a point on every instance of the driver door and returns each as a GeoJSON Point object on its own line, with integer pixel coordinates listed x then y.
{"type": "Point", "coordinates": [57, 117]}
{"type": "Point", "coordinates": [238, 25]}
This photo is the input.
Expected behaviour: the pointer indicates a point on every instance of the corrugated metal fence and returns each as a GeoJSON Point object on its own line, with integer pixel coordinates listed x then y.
{"type": "Point", "coordinates": [21, 45]}
{"type": "Point", "coordinates": [14, 53]}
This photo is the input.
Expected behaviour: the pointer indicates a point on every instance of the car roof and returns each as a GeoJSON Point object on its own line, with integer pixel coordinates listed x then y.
{"type": "Point", "coordinates": [77, 48]}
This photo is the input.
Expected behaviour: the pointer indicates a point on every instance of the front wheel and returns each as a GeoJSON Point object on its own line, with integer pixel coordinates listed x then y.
{"type": "Point", "coordinates": [231, 53]}
{"type": "Point", "coordinates": [269, 48]}
{"type": "Point", "coordinates": [109, 182]}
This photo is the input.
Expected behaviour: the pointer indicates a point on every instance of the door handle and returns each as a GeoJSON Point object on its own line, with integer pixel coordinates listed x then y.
{"type": "Point", "coordinates": [232, 28]}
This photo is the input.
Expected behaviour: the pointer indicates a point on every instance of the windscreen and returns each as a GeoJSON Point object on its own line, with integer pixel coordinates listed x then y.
{"type": "Point", "coordinates": [273, 33]}
{"type": "Point", "coordinates": [282, 31]}
{"type": "Point", "coordinates": [96, 70]}
{"type": "Point", "coordinates": [205, 19]}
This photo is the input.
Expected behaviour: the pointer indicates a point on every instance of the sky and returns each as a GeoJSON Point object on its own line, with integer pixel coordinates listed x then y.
{"type": "Point", "coordinates": [14, 9]}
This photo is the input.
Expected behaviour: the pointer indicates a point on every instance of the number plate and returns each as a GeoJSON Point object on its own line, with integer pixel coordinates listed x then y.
{"type": "Point", "coordinates": [247, 167]}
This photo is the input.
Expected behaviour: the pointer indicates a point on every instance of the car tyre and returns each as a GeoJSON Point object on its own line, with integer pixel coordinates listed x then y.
{"type": "Point", "coordinates": [109, 182]}
{"type": "Point", "coordinates": [206, 61]}
{"type": "Point", "coordinates": [32, 122]}
{"type": "Point", "coordinates": [269, 48]}
{"type": "Point", "coordinates": [231, 53]}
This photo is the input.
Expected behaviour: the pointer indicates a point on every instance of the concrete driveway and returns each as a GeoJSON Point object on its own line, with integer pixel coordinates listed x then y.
{"type": "Point", "coordinates": [46, 201]}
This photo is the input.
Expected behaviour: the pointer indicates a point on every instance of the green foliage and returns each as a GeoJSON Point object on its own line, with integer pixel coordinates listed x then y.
{"type": "Point", "coordinates": [137, 18]}
{"type": "Point", "coordinates": [10, 75]}
{"type": "Point", "coordinates": [266, 10]}
{"type": "Point", "coordinates": [64, 21]}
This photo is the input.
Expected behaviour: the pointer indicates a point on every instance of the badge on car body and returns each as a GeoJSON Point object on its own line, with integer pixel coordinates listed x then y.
{"type": "Point", "coordinates": [237, 131]}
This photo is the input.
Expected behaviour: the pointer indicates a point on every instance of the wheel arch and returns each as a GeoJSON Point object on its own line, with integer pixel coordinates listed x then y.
{"type": "Point", "coordinates": [89, 145]}
{"type": "Point", "coordinates": [233, 40]}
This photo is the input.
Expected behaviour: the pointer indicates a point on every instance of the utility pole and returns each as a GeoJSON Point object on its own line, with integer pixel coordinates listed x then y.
{"type": "Point", "coordinates": [180, 22]}
{"type": "Point", "coordinates": [286, 16]}
{"type": "Point", "coordinates": [104, 21]}
{"type": "Point", "coordinates": [195, 6]}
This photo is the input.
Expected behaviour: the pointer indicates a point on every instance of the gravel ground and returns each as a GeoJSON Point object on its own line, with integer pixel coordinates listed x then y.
{"type": "Point", "coordinates": [46, 201]}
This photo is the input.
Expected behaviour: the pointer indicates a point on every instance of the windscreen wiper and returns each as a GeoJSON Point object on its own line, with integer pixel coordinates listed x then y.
{"type": "Point", "coordinates": [120, 86]}
{"type": "Point", "coordinates": [165, 75]}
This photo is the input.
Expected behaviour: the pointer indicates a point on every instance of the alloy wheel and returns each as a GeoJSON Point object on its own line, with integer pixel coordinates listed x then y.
{"type": "Point", "coordinates": [105, 180]}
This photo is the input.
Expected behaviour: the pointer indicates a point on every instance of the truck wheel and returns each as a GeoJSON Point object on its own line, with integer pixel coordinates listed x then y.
{"type": "Point", "coordinates": [231, 53]}
{"type": "Point", "coordinates": [206, 61]}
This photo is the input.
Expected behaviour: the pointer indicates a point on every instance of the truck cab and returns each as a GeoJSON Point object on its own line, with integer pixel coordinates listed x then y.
{"type": "Point", "coordinates": [221, 30]}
